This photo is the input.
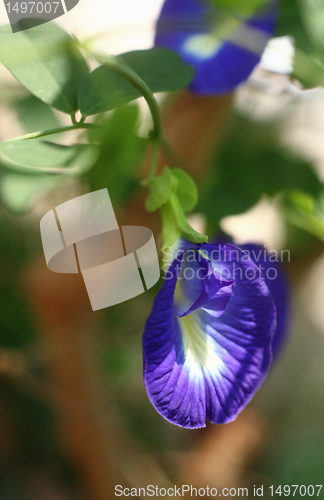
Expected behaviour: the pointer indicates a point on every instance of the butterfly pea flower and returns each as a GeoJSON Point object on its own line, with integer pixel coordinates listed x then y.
{"type": "Point", "coordinates": [222, 45]}
{"type": "Point", "coordinates": [207, 343]}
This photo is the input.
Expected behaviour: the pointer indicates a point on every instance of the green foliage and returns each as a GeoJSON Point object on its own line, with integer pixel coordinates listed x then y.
{"type": "Point", "coordinates": [174, 192]}
{"type": "Point", "coordinates": [180, 220]}
{"type": "Point", "coordinates": [34, 155]}
{"type": "Point", "coordinates": [161, 69]}
{"type": "Point", "coordinates": [291, 22]}
{"type": "Point", "coordinates": [313, 16]}
{"type": "Point", "coordinates": [176, 181]}
{"type": "Point", "coordinates": [304, 21]}
{"type": "Point", "coordinates": [171, 232]}
{"type": "Point", "coordinates": [121, 151]}
{"type": "Point", "coordinates": [251, 163]}
{"type": "Point", "coordinates": [47, 62]}
{"type": "Point", "coordinates": [160, 190]}
{"type": "Point", "coordinates": [305, 212]}
{"type": "Point", "coordinates": [22, 169]}
{"type": "Point", "coordinates": [178, 197]}
{"type": "Point", "coordinates": [19, 192]}
{"type": "Point", "coordinates": [186, 189]}
{"type": "Point", "coordinates": [35, 115]}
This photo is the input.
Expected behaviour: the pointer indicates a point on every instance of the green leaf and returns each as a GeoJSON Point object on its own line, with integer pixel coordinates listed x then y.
{"type": "Point", "coordinates": [161, 69]}
{"type": "Point", "coordinates": [186, 189]}
{"type": "Point", "coordinates": [35, 115]}
{"type": "Point", "coordinates": [160, 190]}
{"type": "Point", "coordinates": [46, 60]}
{"type": "Point", "coordinates": [32, 155]}
{"type": "Point", "coordinates": [19, 192]}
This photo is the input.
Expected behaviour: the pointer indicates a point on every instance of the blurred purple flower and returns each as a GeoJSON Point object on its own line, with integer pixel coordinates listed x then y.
{"type": "Point", "coordinates": [208, 340]}
{"type": "Point", "coordinates": [222, 46]}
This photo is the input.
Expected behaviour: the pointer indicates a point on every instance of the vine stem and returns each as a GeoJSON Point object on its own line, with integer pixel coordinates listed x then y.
{"type": "Point", "coordinates": [155, 159]}
{"type": "Point", "coordinates": [118, 67]}
{"type": "Point", "coordinates": [44, 133]}
{"type": "Point", "coordinates": [156, 136]}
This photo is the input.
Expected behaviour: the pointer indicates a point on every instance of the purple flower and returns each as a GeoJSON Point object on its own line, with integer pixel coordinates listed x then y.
{"type": "Point", "coordinates": [222, 46]}
{"type": "Point", "coordinates": [207, 342]}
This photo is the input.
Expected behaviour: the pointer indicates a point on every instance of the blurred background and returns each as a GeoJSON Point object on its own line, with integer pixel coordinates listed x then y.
{"type": "Point", "coordinates": [74, 416]}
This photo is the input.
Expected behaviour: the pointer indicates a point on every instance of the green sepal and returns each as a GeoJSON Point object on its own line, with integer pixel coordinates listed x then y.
{"type": "Point", "coordinates": [174, 192]}
{"type": "Point", "coordinates": [171, 232]}
{"type": "Point", "coordinates": [160, 190]}
{"type": "Point", "coordinates": [186, 231]}
{"type": "Point", "coordinates": [186, 189]}
{"type": "Point", "coordinates": [175, 224]}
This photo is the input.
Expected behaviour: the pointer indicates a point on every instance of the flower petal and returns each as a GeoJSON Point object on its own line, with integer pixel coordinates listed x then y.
{"type": "Point", "coordinates": [223, 54]}
{"type": "Point", "coordinates": [199, 366]}
{"type": "Point", "coordinates": [276, 282]}
{"type": "Point", "coordinates": [199, 286]}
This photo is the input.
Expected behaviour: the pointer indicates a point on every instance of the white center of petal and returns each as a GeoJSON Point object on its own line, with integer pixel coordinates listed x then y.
{"type": "Point", "coordinates": [199, 348]}
{"type": "Point", "coordinates": [206, 45]}
{"type": "Point", "coordinates": [203, 46]}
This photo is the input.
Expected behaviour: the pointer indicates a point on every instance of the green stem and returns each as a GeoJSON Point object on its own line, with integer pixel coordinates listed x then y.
{"type": "Point", "coordinates": [73, 119]}
{"type": "Point", "coordinates": [44, 133]}
{"type": "Point", "coordinates": [155, 159]}
{"type": "Point", "coordinates": [118, 67]}
{"type": "Point", "coordinates": [157, 136]}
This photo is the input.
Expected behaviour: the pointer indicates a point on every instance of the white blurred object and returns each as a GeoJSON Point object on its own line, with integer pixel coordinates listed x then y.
{"type": "Point", "coordinates": [111, 275]}
{"type": "Point", "coordinates": [269, 92]}
{"type": "Point", "coordinates": [120, 26]}
{"type": "Point", "coordinates": [278, 56]}
{"type": "Point", "coordinates": [262, 224]}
